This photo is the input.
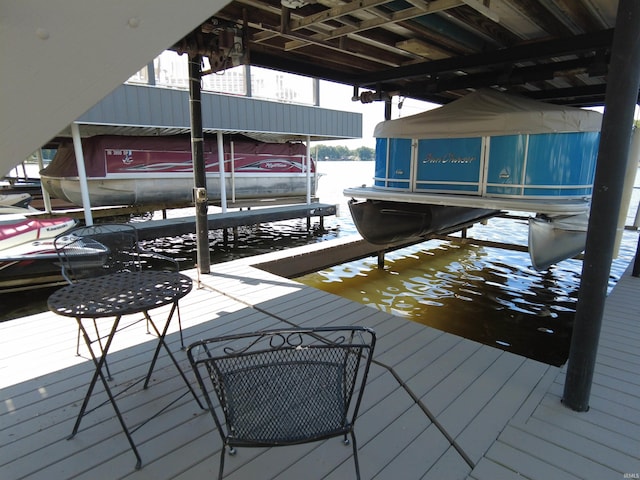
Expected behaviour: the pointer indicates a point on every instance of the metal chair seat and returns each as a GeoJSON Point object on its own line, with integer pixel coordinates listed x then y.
{"type": "Point", "coordinates": [284, 387]}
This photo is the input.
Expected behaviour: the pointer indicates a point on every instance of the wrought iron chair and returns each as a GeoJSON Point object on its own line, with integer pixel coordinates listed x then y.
{"type": "Point", "coordinates": [96, 250]}
{"type": "Point", "coordinates": [284, 387]}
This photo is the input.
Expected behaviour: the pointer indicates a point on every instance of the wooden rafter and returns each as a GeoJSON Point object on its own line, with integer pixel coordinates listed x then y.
{"type": "Point", "coordinates": [414, 45]}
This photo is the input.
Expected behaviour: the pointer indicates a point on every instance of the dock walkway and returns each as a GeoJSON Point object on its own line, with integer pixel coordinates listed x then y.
{"type": "Point", "coordinates": [179, 226]}
{"type": "Point", "coordinates": [437, 406]}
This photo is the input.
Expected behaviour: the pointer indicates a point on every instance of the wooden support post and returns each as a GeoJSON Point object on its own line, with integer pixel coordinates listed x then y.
{"type": "Point", "coordinates": [622, 95]}
{"type": "Point", "coordinates": [381, 259]}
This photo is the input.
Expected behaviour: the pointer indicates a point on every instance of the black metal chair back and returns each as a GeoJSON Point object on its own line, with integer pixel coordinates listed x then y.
{"type": "Point", "coordinates": [100, 249]}
{"type": "Point", "coordinates": [284, 387]}
{"type": "Point", "coordinates": [96, 250]}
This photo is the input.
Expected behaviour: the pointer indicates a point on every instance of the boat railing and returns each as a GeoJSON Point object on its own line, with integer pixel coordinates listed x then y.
{"type": "Point", "coordinates": [533, 190]}
{"type": "Point", "coordinates": [485, 189]}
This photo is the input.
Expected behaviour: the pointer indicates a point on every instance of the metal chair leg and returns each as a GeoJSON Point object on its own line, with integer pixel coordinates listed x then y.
{"type": "Point", "coordinates": [221, 469]}
{"type": "Point", "coordinates": [355, 454]}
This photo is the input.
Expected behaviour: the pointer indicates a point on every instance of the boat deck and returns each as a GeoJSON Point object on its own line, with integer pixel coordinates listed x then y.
{"type": "Point", "coordinates": [437, 406]}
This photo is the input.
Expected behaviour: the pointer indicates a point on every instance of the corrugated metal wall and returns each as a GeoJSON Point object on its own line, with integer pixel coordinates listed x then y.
{"type": "Point", "coordinates": [147, 106]}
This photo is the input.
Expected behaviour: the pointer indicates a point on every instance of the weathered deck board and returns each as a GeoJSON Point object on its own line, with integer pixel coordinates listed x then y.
{"type": "Point", "coordinates": [551, 441]}
{"type": "Point", "coordinates": [426, 390]}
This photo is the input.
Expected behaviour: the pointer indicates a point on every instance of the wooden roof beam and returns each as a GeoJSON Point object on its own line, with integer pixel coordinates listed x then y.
{"type": "Point", "coordinates": [336, 12]}
{"type": "Point", "coordinates": [505, 76]}
{"type": "Point", "coordinates": [425, 9]}
{"type": "Point", "coordinates": [521, 53]}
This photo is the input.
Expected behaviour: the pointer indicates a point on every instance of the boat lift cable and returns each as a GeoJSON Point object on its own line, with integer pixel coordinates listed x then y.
{"type": "Point", "coordinates": [388, 368]}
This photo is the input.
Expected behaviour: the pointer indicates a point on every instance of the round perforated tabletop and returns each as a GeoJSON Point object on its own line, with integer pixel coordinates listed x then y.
{"type": "Point", "coordinates": [119, 293]}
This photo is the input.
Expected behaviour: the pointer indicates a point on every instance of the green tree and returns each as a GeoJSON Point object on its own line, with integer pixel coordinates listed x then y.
{"type": "Point", "coordinates": [365, 153]}
{"type": "Point", "coordinates": [341, 152]}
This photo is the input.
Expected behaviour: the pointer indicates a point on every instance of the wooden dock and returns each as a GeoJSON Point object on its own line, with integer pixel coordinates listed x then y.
{"type": "Point", "coordinates": [179, 226]}
{"type": "Point", "coordinates": [437, 406]}
{"type": "Point", "coordinates": [255, 212]}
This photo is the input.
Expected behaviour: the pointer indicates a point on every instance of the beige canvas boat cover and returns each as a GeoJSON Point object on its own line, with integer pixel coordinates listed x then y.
{"type": "Point", "coordinates": [488, 112]}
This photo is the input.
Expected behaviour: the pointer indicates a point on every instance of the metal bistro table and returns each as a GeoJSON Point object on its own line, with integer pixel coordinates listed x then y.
{"type": "Point", "coordinates": [115, 295]}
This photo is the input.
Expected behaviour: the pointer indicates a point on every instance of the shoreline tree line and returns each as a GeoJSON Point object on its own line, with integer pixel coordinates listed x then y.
{"type": "Point", "coordinates": [341, 152]}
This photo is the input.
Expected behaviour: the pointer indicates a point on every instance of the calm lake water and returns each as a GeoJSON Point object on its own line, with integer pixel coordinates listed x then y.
{"type": "Point", "coordinates": [491, 295]}
{"type": "Point", "coordinates": [488, 294]}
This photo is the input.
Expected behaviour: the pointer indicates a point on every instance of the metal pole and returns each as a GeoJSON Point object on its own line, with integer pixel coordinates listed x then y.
{"type": "Point", "coordinates": [627, 191]}
{"type": "Point", "coordinates": [151, 73]}
{"type": "Point", "coordinates": [316, 92]}
{"type": "Point", "coordinates": [223, 185]}
{"type": "Point", "coordinates": [82, 174]}
{"type": "Point", "coordinates": [199, 173]}
{"type": "Point", "coordinates": [247, 80]}
{"type": "Point", "coordinates": [233, 172]}
{"type": "Point", "coordinates": [308, 161]}
{"type": "Point", "coordinates": [387, 109]}
{"type": "Point", "coordinates": [622, 95]}
{"type": "Point", "coordinates": [635, 148]}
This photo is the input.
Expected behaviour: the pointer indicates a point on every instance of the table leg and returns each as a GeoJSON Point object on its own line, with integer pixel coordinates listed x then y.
{"type": "Point", "coordinates": [106, 364]}
{"type": "Point", "coordinates": [95, 325]}
{"type": "Point", "coordinates": [182, 347]}
{"type": "Point", "coordinates": [162, 343]}
{"type": "Point", "coordinates": [99, 363]}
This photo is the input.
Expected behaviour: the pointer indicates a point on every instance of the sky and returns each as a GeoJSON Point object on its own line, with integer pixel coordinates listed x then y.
{"type": "Point", "coordinates": [296, 88]}
{"type": "Point", "coordinates": [171, 69]}
{"type": "Point", "coordinates": [338, 97]}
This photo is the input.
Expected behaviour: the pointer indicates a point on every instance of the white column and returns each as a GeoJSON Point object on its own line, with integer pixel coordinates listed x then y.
{"type": "Point", "coordinates": [308, 169]}
{"type": "Point", "coordinates": [45, 195]}
{"type": "Point", "coordinates": [223, 187]}
{"type": "Point", "coordinates": [233, 173]}
{"type": "Point", "coordinates": [632, 170]}
{"type": "Point", "coordinates": [82, 174]}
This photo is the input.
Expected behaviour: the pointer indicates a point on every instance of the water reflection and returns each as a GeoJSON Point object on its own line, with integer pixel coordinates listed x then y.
{"type": "Point", "coordinates": [485, 294]}
{"type": "Point", "coordinates": [250, 240]}
{"type": "Point", "coordinates": [488, 294]}
{"type": "Point", "coordinates": [244, 241]}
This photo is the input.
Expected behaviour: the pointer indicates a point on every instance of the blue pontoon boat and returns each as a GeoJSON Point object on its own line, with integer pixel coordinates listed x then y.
{"type": "Point", "coordinates": [485, 153]}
